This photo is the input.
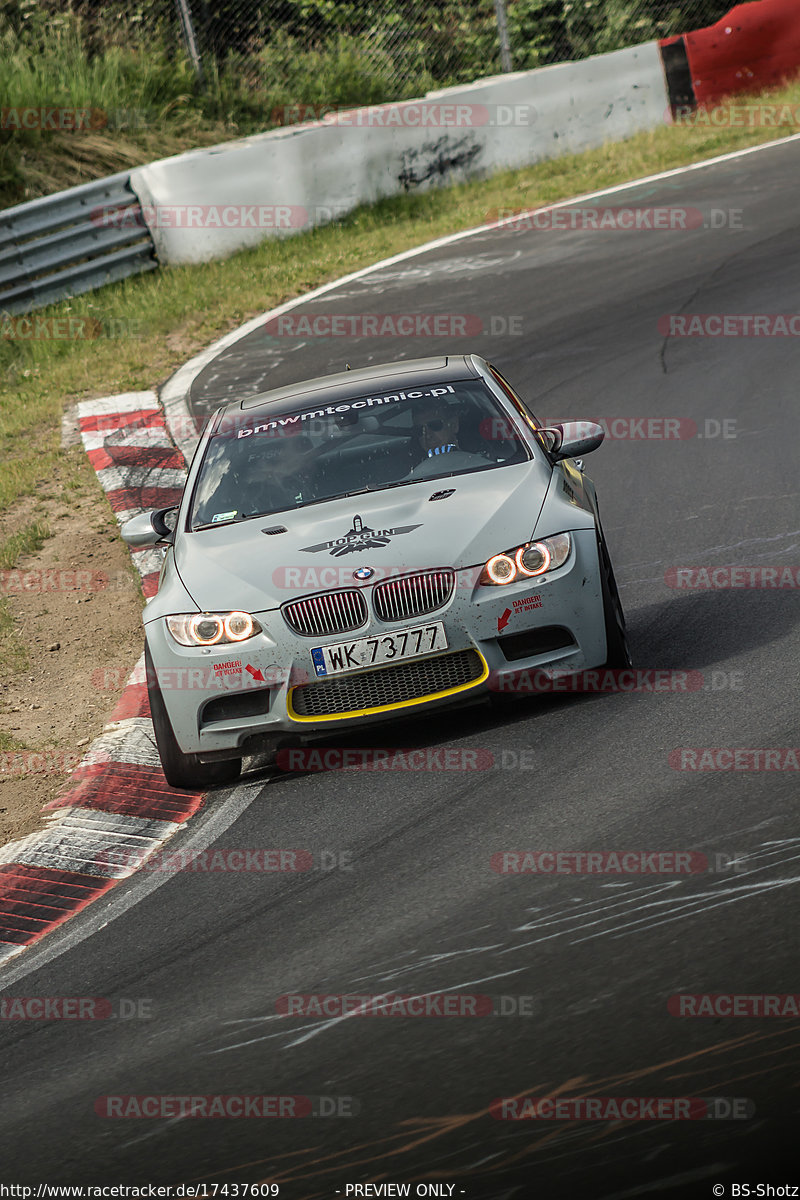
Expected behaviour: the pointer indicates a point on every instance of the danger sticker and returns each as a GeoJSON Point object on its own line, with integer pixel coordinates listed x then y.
{"type": "Point", "coordinates": [232, 667]}
{"type": "Point", "coordinates": [527, 602]}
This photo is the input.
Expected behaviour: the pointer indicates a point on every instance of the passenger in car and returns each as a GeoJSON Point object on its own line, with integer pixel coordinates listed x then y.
{"type": "Point", "coordinates": [279, 480]}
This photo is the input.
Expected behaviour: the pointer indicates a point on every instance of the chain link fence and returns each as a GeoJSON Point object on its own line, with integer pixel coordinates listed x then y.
{"type": "Point", "coordinates": [401, 47]}
{"type": "Point", "coordinates": [254, 59]}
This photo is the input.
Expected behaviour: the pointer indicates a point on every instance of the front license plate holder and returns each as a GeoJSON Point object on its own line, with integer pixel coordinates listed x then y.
{"type": "Point", "coordinates": [379, 651]}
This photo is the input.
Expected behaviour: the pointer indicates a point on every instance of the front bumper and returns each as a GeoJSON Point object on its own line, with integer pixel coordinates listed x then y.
{"type": "Point", "coordinates": [230, 698]}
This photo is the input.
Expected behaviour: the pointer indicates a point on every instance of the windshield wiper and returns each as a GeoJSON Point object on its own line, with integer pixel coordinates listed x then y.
{"type": "Point", "coordinates": [240, 516]}
{"type": "Point", "coordinates": [215, 524]}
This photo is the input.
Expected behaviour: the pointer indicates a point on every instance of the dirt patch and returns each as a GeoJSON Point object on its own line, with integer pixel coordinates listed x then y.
{"type": "Point", "coordinates": [76, 606]}
{"type": "Point", "coordinates": [184, 342]}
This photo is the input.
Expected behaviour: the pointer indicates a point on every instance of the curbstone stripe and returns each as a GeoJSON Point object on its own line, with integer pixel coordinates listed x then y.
{"type": "Point", "coordinates": [118, 808]}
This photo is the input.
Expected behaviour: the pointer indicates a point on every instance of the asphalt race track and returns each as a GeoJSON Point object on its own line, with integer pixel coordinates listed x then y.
{"type": "Point", "coordinates": [410, 903]}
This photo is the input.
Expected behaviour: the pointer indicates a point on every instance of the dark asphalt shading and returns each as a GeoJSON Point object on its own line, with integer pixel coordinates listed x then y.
{"type": "Point", "coordinates": [413, 905]}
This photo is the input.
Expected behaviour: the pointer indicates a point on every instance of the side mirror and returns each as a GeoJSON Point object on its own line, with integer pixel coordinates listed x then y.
{"type": "Point", "coordinates": [568, 439]}
{"type": "Point", "coordinates": [150, 528]}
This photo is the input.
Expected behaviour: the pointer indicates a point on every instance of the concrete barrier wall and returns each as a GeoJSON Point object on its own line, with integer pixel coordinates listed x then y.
{"type": "Point", "coordinates": [210, 203]}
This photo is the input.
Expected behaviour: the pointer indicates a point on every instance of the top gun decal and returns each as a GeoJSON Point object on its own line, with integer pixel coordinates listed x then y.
{"type": "Point", "coordinates": [360, 537]}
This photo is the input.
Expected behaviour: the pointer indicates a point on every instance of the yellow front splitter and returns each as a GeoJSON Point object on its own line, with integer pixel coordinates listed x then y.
{"type": "Point", "coordinates": [381, 708]}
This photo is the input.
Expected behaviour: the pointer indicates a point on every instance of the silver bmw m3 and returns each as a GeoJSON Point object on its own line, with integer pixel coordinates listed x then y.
{"type": "Point", "coordinates": [352, 548]}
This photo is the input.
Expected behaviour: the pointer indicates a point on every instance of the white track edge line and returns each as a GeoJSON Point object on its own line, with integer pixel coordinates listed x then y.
{"type": "Point", "coordinates": [173, 394]}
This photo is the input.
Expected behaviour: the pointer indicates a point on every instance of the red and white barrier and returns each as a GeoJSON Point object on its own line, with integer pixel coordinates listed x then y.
{"type": "Point", "coordinates": [117, 796]}
{"type": "Point", "coordinates": [754, 47]}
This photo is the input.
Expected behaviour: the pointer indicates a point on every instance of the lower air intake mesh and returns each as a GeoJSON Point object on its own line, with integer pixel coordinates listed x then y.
{"type": "Point", "coordinates": [388, 685]}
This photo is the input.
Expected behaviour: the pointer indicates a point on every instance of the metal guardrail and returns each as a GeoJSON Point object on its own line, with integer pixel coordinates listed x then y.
{"type": "Point", "coordinates": [72, 242]}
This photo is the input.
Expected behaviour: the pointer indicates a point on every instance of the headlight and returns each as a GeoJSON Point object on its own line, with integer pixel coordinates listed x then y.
{"type": "Point", "coordinates": [534, 558]}
{"type": "Point", "coordinates": [212, 629]}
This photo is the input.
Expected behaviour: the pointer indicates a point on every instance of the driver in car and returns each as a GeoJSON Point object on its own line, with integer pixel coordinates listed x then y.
{"type": "Point", "coordinates": [436, 428]}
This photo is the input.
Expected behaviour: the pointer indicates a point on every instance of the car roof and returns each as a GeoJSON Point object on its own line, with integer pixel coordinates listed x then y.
{"type": "Point", "coordinates": [348, 385]}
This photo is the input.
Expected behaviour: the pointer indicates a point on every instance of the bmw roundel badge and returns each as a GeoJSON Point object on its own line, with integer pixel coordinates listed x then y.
{"type": "Point", "coordinates": [363, 573]}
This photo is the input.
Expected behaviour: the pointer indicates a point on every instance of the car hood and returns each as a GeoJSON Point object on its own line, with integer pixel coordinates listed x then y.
{"type": "Point", "coordinates": [239, 566]}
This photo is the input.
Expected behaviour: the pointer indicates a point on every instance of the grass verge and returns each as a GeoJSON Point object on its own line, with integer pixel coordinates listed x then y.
{"type": "Point", "coordinates": [116, 95]}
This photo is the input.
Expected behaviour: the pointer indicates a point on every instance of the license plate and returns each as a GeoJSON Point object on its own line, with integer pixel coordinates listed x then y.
{"type": "Point", "coordinates": [380, 650]}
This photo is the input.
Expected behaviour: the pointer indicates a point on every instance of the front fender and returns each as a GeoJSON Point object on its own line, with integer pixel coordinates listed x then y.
{"type": "Point", "coordinates": [569, 503]}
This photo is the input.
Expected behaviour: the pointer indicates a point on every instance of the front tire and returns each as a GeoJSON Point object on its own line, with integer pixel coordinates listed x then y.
{"type": "Point", "coordinates": [182, 770]}
{"type": "Point", "coordinates": [618, 654]}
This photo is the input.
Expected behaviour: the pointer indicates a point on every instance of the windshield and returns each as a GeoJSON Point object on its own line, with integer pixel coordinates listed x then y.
{"type": "Point", "coordinates": [257, 465]}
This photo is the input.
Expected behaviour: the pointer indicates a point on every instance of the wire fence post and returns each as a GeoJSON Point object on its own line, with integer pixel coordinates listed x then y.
{"type": "Point", "coordinates": [185, 14]}
{"type": "Point", "coordinates": [502, 33]}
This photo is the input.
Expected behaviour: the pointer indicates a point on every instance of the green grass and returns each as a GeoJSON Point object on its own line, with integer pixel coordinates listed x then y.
{"type": "Point", "coordinates": [127, 69]}
{"type": "Point", "coordinates": [24, 541]}
{"type": "Point", "coordinates": [9, 743]}
{"type": "Point", "coordinates": [142, 100]}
